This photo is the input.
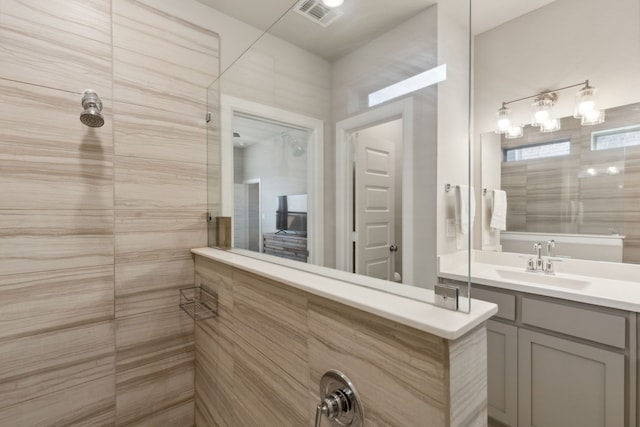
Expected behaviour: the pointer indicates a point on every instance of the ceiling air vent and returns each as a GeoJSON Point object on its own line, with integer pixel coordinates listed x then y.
{"type": "Point", "coordinates": [317, 12]}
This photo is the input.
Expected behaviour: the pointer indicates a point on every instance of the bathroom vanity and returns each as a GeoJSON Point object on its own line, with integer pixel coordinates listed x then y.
{"type": "Point", "coordinates": [554, 361]}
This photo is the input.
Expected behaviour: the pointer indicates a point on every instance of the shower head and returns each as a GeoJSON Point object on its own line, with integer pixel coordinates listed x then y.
{"type": "Point", "coordinates": [91, 116]}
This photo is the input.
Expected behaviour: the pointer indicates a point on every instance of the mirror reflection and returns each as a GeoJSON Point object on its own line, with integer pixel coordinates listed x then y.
{"type": "Point", "coordinates": [558, 140]}
{"type": "Point", "coordinates": [313, 109]}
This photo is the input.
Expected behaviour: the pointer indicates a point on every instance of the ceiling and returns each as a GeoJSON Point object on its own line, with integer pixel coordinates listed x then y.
{"type": "Point", "coordinates": [362, 20]}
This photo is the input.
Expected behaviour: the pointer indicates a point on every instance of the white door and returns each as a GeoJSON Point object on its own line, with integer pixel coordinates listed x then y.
{"type": "Point", "coordinates": [374, 213]}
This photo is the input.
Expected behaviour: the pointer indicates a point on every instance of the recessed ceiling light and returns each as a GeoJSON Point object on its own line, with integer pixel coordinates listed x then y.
{"type": "Point", "coordinates": [332, 3]}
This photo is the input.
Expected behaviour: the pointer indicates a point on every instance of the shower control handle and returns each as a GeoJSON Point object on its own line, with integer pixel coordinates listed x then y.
{"type": "Point", "coordinates": [340, 401]}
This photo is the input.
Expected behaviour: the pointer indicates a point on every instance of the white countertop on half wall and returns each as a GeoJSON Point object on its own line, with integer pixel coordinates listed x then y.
{"type": "Point", "coordinates": [420, 314]}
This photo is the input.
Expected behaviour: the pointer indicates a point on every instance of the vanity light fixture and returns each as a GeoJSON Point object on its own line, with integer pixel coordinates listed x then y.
{"type": "Point", "coordinates": [332, 3]}
{"type": "Point", "coordinates": [586, 109]}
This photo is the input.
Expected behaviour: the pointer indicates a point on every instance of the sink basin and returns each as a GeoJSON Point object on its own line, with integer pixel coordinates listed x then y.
{"type": "Point", "coordinates": [542, 279]}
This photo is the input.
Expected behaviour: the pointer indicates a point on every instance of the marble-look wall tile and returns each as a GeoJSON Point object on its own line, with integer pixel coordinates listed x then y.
{"type": "Point", "coordinates": [42, 364]}
{"type": "Point", "coordinates": [89, 404]}
{"type": "Point", "coordinates": [215, 340]}
{"type": "Point", "coordinates": [35, 302]}
{"type": "Point", "coordinates": [267, 314]}
{"type": "Point", "coordinates": [157, 83]}
{"type": "Point", "coordinates": [180, 415]}
{"type": "Point", "coordinates": [267, 393]}
{"type": "Point", "coordinates": [33, 241]}
{"type": "Point", "coordinates": [468, 380]}
{"type": "Point", "coordinates": [158, 234]}
{"type": "Point", "coordinates": [151, 285]}
{"type": "Point", "coordinates": [143, 392]}
{"type": "Point", "coordinates": [157, 134]}
{"type": "Point", "coordinates": [38, 117]}
{"type": "Point", "coordinates": [144, 29]}
{"type": "Point", "coordinates": [150, 337]}
{"type": "Point", "coordinates": [214, 375]}
{"type": "Point", "coordinates": [59, 44]}
{"type": "Point", "coordinates": [387, 362]}
{"type": "Point", "coordinates": [159, 184]}
{"type": "Point", "coordinates": [34, 178]}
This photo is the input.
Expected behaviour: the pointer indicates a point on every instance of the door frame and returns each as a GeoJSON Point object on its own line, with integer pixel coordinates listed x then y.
{"type": "Point", "coordinates": [402, 109]}
{"type": "Point", "coordinates": [259, 182]}
{"type": "Point", "coordinates": [315, 159]}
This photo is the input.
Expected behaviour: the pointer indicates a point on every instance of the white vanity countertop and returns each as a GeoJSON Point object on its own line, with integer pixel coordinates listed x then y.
{"type": "Point", "coordinates": [411, 312]}
{"type": "Point", "coordinates": [604, 284]}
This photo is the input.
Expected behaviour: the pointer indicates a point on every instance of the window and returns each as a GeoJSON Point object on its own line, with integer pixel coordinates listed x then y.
{"type": "Point", "coordinates": [615, 138]}
{"type": "Point", "coordinates": [538, 151]}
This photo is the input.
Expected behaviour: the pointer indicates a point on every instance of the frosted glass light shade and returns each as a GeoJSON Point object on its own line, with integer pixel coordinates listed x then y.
{"type": "Point", "coordinates": [541, 111]}
{"type": "Point", "coordinates": [594, 117]}
{"type": "Point", "coordinates": [550, 125]}
{"type": "Point", "coordinates": [332, 3]}
{"type": "Point", "coordinates": [586, 102]}
{"type": "Point", "coordinates": [504, 120]}
{"type": "Point", "coordinates": [514, 132]}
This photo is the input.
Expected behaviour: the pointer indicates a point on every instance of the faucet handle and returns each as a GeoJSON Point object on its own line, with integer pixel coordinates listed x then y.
{"type": "Point", "coordinates": [550, 245]}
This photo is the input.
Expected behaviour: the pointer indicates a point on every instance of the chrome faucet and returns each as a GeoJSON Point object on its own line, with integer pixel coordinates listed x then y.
{"type": "Point", "coordinates": [548, 268]}
{"type": "Point", "coordinates": [537, 248]}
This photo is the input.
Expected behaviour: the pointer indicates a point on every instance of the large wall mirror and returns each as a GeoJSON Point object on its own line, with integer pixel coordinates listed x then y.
{"type": "Point", "coordinates": [574, 179]}
{"type": "Point", "coordinates": [340, 138]}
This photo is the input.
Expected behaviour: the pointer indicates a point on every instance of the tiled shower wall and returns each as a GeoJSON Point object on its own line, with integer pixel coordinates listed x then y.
{"type": "Point", "coordinates": [96, 224]}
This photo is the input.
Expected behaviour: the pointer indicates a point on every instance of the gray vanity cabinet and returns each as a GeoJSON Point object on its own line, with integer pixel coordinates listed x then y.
{"type": "Point", "coordinates": [553, 363]}
{"type": "Point", "coordinates": [502, 372]}
{"type": "Point", "coordinates": [564, 383]}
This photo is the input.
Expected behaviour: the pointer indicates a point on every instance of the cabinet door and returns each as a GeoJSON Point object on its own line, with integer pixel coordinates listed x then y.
{"type": "Point", "coordinates": [566, 384]}
{"type": "Point", "coordinates": [502, 372]}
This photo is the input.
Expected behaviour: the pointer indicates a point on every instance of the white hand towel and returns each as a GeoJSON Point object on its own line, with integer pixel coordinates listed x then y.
{"type": "Point", "coordinates": [499, 210]}
{"type": "Point", "coordinates": [465, 208]}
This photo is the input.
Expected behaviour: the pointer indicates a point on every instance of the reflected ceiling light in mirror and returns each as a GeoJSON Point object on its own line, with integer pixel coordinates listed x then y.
{"type": "Point", "coordinates": [586, 109]}
{"type": "Point", "coordinates": [550, 125]}
{"type": "Point", "coordinates": [332, 3]}
{"type": "Point", "coordinates": [541, 110]}
{"type": "Point", "coordinates": [514, 132]}
{"type": "Point", "coordinates": [593, 117]}
{"type": "Point", "coordinates": [412, 84]}
{"type": "Point", "coordinates": [504, 119]}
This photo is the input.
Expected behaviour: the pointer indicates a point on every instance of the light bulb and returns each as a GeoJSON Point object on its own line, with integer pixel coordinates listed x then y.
{"type": "Point", "coordinates": [586, 101]}
{"type": "Point", "coordinates": [593, 117]}
{"type": "Point", "coordinates": [591, 171]}
{"type": "Point", "coordinates": [332, 3]}
{"type": "Point", "coordinates": [504, 121]}
{"type": "Point", "coordinates": [541, 116]}
{"type": "Point", "coordinates": [514, 132]}
{"type": "Point", "coordinates": [550, 125]}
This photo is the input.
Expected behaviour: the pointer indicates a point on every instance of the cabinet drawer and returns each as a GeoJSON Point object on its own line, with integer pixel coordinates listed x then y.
{"type": "Point", "coordinates": [506, 302]}
{"type": "Point", "coordinates": [602, 327]}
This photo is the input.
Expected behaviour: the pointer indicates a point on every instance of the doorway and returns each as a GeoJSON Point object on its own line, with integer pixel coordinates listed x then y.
{"type": "Point", "coordinates": [293, 143]}
{"type": "Point", "coordinates": [373, 188]}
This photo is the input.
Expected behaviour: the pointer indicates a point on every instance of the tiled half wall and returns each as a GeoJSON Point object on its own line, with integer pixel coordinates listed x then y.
{"type": "Point", "coordinates": [260, 360]}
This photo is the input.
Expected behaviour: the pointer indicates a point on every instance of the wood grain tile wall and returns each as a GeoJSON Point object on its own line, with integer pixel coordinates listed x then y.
{"type": "Point", "coordinates": [96, 224]}
{"type": "Point", "coordinates": [259, 362]}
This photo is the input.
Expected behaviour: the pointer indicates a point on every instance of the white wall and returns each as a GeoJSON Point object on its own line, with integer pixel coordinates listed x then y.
{"type": "Point", "coordinates": [562, 43]}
